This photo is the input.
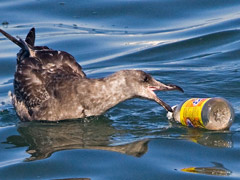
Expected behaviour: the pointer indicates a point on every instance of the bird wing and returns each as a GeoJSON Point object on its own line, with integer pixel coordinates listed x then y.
{"type": "Point", "coordinates": [40, 70]}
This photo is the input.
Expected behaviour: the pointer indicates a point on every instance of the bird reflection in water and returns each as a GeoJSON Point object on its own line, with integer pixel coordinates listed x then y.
{"type": "Point", "coordinates": [43, 139]}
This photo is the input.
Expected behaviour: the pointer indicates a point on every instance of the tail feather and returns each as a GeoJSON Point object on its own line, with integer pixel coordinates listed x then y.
{"type": "Point", "coordinates": [30, 38]}
{"type": "Point", "coordinates": [13, 39]}
{"type": "Point", "coordinates": [26, 45]}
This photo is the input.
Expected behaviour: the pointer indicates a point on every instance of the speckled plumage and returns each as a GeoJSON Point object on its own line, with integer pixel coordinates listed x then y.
{"type": "Point", "coordinates": [50, 85]}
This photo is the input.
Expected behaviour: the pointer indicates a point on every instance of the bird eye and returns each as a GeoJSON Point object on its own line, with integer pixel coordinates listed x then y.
{"type": "Point", "coordinates": [146, 79]}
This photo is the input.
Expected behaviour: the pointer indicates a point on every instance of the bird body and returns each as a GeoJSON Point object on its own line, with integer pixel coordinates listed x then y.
{"type": "Point", "coordinates": [50, 85]}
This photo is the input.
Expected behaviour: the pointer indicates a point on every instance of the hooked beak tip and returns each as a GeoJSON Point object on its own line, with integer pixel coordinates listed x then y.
{"type": "Point", "coordinates": [175, 87]}
{"type": "Point", "coordinates": [179, 89]}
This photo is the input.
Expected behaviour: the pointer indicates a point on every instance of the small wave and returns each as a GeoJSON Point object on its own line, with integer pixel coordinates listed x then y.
{"type": "Point", "coordinates": [11, 162]}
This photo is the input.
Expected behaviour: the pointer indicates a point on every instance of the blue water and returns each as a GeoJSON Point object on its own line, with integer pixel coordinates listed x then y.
{"type": "Point", "coordinates": [194, 44]}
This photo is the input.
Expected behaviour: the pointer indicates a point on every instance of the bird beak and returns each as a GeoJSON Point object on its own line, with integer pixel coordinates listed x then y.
{"type": "Point", "coordinates": [158, 86]}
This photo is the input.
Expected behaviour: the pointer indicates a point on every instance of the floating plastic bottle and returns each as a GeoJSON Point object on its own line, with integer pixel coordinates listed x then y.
{"type": "Point", "coordinates": [208, 113]}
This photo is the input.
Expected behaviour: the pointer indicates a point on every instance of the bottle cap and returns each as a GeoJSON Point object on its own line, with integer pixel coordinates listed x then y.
{"type": "Point", "coordinates": [170, 114]}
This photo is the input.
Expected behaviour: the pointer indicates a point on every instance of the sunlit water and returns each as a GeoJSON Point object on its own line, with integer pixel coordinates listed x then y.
{"type": "Point", "coordinates": [194, 44]}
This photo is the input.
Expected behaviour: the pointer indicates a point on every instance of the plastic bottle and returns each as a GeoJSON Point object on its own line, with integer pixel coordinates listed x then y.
{"type": "Point", "coordinates": [208, 113]}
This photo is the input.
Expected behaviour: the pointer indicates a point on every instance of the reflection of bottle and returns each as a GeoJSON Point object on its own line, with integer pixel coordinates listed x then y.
{"type": "Point", "coordinates": [217, 170]}
{"type": "Point", "coordinates": [208, 113]}
{"type": "Point", "coordinates": [209, 138]}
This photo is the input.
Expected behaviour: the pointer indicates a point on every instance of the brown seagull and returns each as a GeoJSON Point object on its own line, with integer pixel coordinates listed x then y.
{"type": "Point", "coordinates": [50, 85]}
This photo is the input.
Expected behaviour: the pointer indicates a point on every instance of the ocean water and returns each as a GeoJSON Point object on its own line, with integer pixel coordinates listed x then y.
{"type": "Point", "coordinates": [194, 44]}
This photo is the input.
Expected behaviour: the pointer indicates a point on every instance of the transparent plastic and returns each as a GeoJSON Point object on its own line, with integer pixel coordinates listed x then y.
{"type": "Point", "coordinates": [216, 114]}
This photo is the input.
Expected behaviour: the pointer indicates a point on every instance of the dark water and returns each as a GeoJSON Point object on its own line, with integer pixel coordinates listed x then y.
{"type": "Point", "coordinates": [195, 44]}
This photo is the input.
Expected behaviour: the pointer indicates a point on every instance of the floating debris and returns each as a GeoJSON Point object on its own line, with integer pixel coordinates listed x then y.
{"type": "Point", "coordinates": [5, 24]}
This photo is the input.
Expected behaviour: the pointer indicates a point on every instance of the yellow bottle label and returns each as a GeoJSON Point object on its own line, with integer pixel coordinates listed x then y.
{"type": "Point", "coordinates": [190, 113]}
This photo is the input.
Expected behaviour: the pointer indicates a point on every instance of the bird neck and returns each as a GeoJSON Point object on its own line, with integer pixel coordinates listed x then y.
{"type": "Point", "coordinates": [118, 88]}
{"type": "Point", "coordinates": [106, 93]}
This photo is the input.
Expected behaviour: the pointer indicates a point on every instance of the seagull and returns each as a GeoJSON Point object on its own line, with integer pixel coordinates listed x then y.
{"type": "Point", "coordinates": [50, 85]}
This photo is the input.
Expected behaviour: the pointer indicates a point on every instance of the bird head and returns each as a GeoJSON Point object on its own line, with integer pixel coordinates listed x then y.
{"type": "Point", "coordinates": [144, 85]}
